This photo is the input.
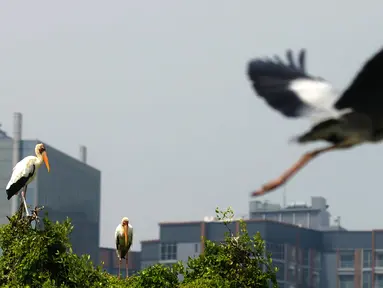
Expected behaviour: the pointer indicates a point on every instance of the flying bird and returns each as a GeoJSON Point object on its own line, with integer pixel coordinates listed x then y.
{"type": "Point", "coordinates": [124, 239]}
{"type": "Point", "coordinates": [343, 119]}
{"type": "Point", "coordinates": [25, 172]}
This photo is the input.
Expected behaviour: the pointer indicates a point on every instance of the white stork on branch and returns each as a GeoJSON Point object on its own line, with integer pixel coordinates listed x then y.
{"type": "Point", "coordinates": [25, 172]}
{"type": "Point", "coordinates": [124, 239]}
{"type": "Point", "coordinates": [346, 119]}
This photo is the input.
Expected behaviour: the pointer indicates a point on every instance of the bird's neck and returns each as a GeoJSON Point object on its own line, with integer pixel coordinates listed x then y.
{"type": "Point", "coordinates": [39, 159]}
{"type": "Point", "coordinates": [122, 229]}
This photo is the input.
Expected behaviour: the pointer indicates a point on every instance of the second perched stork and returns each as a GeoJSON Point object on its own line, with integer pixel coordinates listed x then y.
{"type": "Point", "coordinates": [25, 172]}
{"type": "Point", "coordinates": [124, 239]}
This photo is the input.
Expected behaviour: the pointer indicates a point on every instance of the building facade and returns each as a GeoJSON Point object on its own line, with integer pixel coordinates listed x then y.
{"type": "Point", "coordinates": [71, 189]}
{"type": "Point", "coordinates": [325, 257]}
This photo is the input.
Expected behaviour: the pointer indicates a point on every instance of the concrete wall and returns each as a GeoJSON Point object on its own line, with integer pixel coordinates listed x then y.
{"type": "Point", "coordinates": [186, 250]}
{"type": "Point", "coordinates": [5, 175]}
{"type": "Point", "coordinates": [150, 251]}
{"type": "Point", "coordinates": [329, 274]}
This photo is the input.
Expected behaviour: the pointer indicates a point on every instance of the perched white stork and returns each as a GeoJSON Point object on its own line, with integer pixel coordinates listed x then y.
{"type": "Point", "coordinates": [25, 172]}
{"type": "Point", "coordinates": [124, 239]}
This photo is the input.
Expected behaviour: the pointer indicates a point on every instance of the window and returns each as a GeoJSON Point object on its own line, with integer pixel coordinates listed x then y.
{"type": "Point", "coordinates": [281, 270]}
{"type": "Point", "coordinates": [299, 275]}
{"type": "Point", "coordinates": [168, 251]}
{"type": "Point", "coordinates": [316, 280]}
{"type": "Point", "coordinates": [367, 258]}
{"type": "Point", "coordinates": [346, 281]}
{"type": "Point", "coordinates": [277, 250]}
{"type": "Point", "coordinates": [306, 257]}
{"type": "Point", "coordinates": [306, 277]}
{"type": "Point", "coordinates": [346, 259]}
{"type": "Point", "coordinates": [367, 280]}
{"type": "Point", "coordinates": [378, 258]}
{"type": "Point", "coordinates": [378, 280]}
{"type": "Point", "coordinates": [300, 255]}
{"type": "Point", "coordinates": [292, 254]}
{"type": "Point", "coordinates": [291, 273]}
{"type": "Point", "coordinates": [317, 260]}
{"type": "Point", "coordinates": [196, 248]}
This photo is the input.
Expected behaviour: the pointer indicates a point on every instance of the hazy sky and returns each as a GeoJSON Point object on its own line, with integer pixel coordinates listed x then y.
{"type": "Point", "coordinates": [158, 93]}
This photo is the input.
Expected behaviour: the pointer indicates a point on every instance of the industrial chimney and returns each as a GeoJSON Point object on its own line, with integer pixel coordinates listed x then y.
{"type": "Point", "coordinates": [16, 157]}
{"type": "Point", "coordinates": [83, 154]}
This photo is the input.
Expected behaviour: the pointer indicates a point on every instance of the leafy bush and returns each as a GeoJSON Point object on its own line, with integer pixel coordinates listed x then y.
{"type": "Point", "coordinates": [44, 258]}
{"type": "Point", "coordinates": [239, 259]}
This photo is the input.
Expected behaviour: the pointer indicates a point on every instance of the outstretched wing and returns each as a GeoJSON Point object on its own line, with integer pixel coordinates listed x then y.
{"type": "Point", "coordinates": [365, 93]}
{"type": "Point", "coordinates": [287, 87]}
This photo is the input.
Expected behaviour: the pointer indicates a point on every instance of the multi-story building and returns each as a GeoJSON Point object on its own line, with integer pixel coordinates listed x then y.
{"type": "Point", "coordinates": [314, 216]}
{"type": "Point", "coordinates": [327, 256]}
{"type": "Point", "coordinates": [108, 257]}
{"type": "Point", "coordinates": [71, 189]}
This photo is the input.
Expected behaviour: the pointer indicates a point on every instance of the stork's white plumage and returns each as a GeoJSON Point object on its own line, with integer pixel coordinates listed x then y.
{"type": "Point", "coordinates": [25, 172]}
{"type": "Point", "coordinates": [124, 239]}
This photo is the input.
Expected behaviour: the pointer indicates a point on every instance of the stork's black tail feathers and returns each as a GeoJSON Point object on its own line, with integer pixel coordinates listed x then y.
{"type": "Point", "coordinates": [9, 194]}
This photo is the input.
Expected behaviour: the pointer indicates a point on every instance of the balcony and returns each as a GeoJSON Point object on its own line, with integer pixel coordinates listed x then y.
{"type": "Point", "coordinates": [379, 260]}
{"type": "Point", "coordinates": [346, 260]}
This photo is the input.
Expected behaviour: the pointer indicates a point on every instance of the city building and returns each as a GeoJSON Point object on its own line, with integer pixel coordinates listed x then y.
{"type": "Point", "coordinates": [327, 256]}
{"type": "Point", "coordinates": [71, 189]}
{"type": "Point", "coordinates": [314, 216]}
{"type": "Point", "coordinates": [109, 260]}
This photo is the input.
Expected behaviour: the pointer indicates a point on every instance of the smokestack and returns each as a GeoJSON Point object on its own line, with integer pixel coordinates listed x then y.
{"type": "Point", "coordinates": [83, 154]}
{"type": "Point", "coordinates": [16, 157]}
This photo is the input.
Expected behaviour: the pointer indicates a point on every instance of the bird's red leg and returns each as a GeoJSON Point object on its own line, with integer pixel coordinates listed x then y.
{"type": "Point", "coordinates": [119, 268]}
{"type": "Point", "coordinates": [126, 265]}
{"type": "Point", "coordinates": [292, 170]}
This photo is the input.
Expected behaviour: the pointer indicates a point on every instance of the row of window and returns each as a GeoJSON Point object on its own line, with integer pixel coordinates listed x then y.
{"type": "Point", "coordinates": [294, 254]}
{"type": "Point", "coordinates": [347, 259]}
{"type": "Point", "coordinates": [298, 275]}
{"type": "Point", "coordinates": [347, 281]}
{"type": "Point", "coordinates": [168, 251]}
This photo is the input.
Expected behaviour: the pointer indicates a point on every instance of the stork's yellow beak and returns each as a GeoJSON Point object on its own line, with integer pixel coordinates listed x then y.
{"type": "Point", "coordinates": [126, 234]}
{"type": "Point", "coordinates": [46, 161]}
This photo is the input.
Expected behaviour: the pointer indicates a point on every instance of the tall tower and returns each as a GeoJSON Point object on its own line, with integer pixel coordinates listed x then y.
{"type": "Point", "coordinates": [17, 132]}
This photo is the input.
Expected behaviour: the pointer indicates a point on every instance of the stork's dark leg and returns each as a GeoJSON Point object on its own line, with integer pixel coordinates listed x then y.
{"type": "Point", "coordinates": [126, 265]}
{"type": "Point", "coordinates": [119, 267]}
{"type": "Point", "coordinates": [23, 195]}
{"type": "Point", "coordinates": [292, 170]}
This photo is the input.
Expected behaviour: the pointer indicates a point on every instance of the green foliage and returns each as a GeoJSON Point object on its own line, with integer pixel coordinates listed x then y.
{"type": "Point", "coordinates": [159, 276]}
{"type": "Point", "coordinates": [239, 259]}
{"type": "Point", "coordinates": [44, 258]}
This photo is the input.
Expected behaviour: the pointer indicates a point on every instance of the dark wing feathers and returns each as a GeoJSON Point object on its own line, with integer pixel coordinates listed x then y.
{"type": "Point", "coordinates": [365, 93]}
{"type": "Point", "coordinates": [271, 79]}
{"type": "Point", "coordinates": [117, 242]}
{"type": "Point", "coordinates": [19, 184]}
{"type": "Point", "coordinates": [302, 60]}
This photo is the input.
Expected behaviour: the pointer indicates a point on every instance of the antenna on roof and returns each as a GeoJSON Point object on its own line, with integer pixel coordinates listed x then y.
{"type": "Point", "coordinates": [284, 196]}
{"type": "Point", "coordinates": [337, 221]}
